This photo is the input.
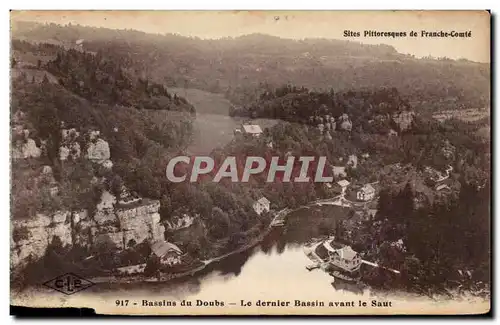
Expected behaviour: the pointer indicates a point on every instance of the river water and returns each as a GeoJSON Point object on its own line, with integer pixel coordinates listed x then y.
{"type": "Point", "coordinates": [275, 269]}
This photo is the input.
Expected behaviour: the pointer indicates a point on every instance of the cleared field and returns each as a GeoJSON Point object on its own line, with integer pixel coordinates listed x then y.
{"type": "Point", "coordinates": [467, 115]}
{"type": "Point", "coordinates": [213, 127]}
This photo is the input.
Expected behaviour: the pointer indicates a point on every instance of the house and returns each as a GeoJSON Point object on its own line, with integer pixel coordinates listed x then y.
{"type": "Point", "coordinates": [339, 171]}
{"type": "Point", "coordinates": [340, 256]}
{"type": "Point", "coordinates": [168, 253]}
{"type": "Point", "coordinates": [252, 130]}
{"type": "Point", "coordinates": [261, 205]}
{"type": "Point", "coordinates": [366, 193]}
{"type": "Point", "coordinates": [108, 164]}
{"type": "Point", "coordinates": [343, 185]}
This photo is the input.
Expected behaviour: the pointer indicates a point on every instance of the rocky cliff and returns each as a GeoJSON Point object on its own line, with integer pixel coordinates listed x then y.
{"type": "Point", "coordinates": [403, 119]}
{"type": "Point", "coordinates": [115, 224]}
{"type": "Point", "coordinates": [119, 227]}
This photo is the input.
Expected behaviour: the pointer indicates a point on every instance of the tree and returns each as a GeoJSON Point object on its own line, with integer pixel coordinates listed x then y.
{"type": "Point", "coordinates": [152, 265]}
{"type": "Point", "coordinates": [219, 223]}
{"type": "Point", "coordinates": [404, 204]}
{"type": "Point", "coordinates": [383, 204]}
{"type": "Point", "coordinates": [115, 185]}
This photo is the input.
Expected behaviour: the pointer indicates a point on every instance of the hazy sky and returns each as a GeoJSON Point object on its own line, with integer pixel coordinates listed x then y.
{"type": "Point", "coordinates": [300, 24]}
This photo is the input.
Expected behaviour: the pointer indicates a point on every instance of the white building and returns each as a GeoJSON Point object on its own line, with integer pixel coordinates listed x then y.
{"type": "Point", "coordinates": [343, 257]}
{"type": "Point", "coordinates": [339, 171]}
{"type": "Point", "coordinates": [168, 253]}
{"type": "Point", "coordinates": [343, 185]}
{"type": "Point", "coordinates": [252, 129]}
{"type": "Point", "coordinates": [261, 205]}
{"type": "Point", "coordinates": [366, 193]}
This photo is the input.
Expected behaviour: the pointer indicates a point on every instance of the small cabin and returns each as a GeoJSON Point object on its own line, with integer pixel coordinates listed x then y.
{"type": "Point", "coordinates": [261, 205]}
{"type": "Point", "coordinates": [366, 193]}
{"type": "Point", "coordinates": [253, 130]}
{"type": "Point", "coordinates": [343, 185]}
{"type": "Point", "coordinates": [168, 253]}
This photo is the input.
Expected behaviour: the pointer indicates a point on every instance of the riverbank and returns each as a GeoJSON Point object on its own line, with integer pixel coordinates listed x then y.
{"type": "Point", "coordinates": [171, 276]}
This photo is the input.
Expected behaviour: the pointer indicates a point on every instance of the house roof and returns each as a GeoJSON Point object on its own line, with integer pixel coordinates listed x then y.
{"type": "Point", "coordinates": [338, 170]}
{"type": "Point", "coordinates": [160, 248]}
{"type": "Point", "coordinates": [347, 253]}
{"type": "Point", "coordinates": [343, 183]}
{"type": "Point", "coordinates": [252, 128]}
{"type": "Point", "coordinates": [368, 188]}
{"type": "Point", "coordinates": [263, 200]}
{"type": "Point", "coordinates": [441, 186]}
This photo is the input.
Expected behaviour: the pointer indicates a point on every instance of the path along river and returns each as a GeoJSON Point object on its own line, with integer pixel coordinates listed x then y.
{"type": "Point", "coordinates": [274, 268]}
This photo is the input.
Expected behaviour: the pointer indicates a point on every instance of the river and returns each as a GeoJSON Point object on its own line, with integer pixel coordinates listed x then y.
{"type": "Point", "coordinates": [275, 267]}
{"type": "Point", "coordinates": [271, 271]}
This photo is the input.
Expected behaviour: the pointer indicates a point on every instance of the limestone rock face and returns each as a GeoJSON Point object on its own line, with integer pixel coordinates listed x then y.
{"type": "Point", "coordinates": [28, 149]}
{"type": "Point", "coordinates": [108, 227]}
{"type": "Point", "coordinates": [98, 151]}
{"type": "Point", "coordinates": [403, 119]}
{"type": "Point", "coordinates": [70, 148]}
{"type": "Point", "coordinates": [69, 151]}
{"type": "Point", "coordinates": [30, 238]}
{"type": "Point", "coordinates": [108, 201]}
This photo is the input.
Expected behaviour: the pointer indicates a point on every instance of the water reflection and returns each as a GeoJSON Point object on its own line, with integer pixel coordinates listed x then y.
{"type": "Point", "coordinates": [267, 269]}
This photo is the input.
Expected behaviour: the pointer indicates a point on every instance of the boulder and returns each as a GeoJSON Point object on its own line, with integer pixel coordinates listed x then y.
{"type": "Point", "coordinates": [26, 150]}
{"type": "Point", "coordinates": [98, 151]}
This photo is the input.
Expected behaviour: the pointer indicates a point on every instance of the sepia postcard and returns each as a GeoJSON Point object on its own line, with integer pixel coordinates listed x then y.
{"type": "Point", "coordinates": [251, 162]}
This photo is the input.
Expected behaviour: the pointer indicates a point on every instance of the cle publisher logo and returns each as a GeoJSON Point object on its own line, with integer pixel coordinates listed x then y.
{"type": "Point", "coordinates": [69, 283]}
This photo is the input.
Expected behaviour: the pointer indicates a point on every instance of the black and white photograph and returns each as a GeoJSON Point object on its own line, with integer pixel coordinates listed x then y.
{"type": "Point", "coordinates": [251, 162]}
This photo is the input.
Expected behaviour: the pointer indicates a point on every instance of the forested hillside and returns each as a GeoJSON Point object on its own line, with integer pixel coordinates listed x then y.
{"type": "Point", "coordinates": [101, 79]}
{"type": "Point", "coordinates": [340, 100]}
{"type": "Point", "coordinates": [236, 66]}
